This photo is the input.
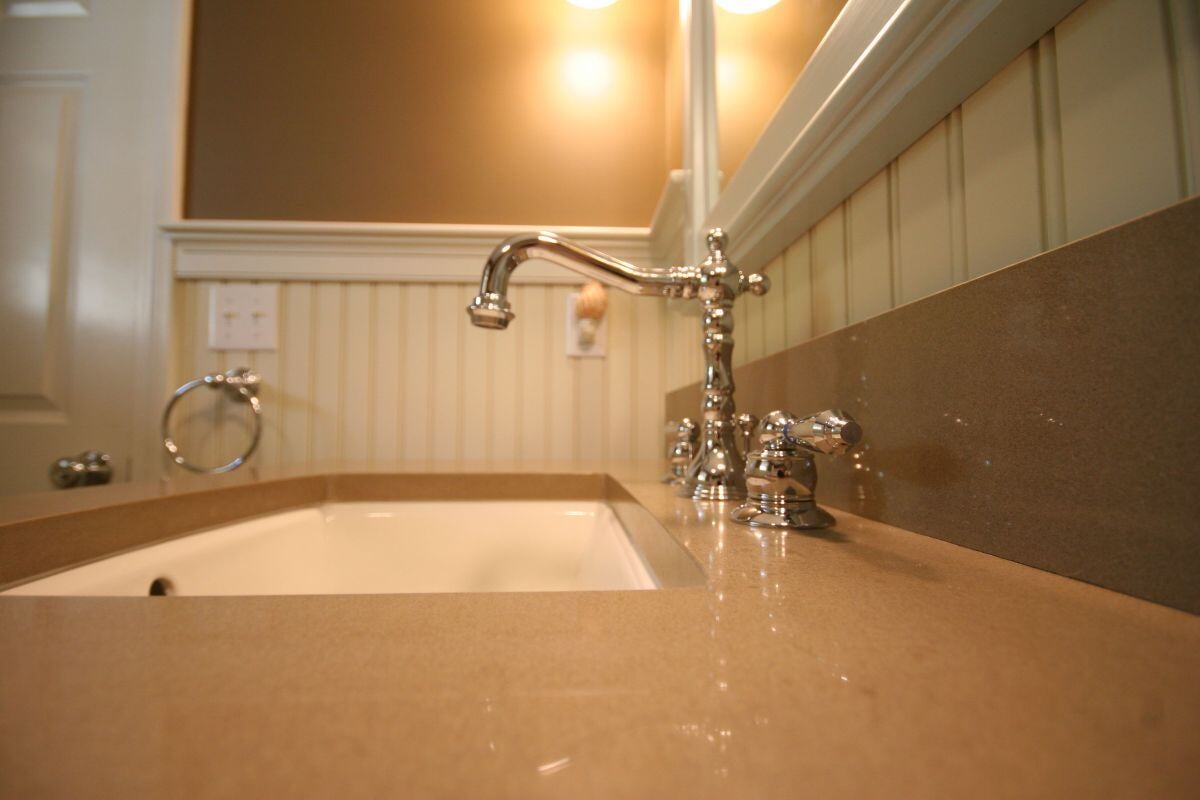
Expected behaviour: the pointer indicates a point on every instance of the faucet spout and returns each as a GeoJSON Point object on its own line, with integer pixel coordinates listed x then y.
{"type": "Point", "coordinates": [491, 309]}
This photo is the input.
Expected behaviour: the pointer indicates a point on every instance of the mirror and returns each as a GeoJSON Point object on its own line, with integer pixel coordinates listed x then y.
{"type": "Point", "coordinates": [762, 46]}
{"type": "Point", "coordinates": [433, 113]}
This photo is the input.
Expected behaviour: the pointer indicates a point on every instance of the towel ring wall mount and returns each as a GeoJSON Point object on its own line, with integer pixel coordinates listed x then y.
{"type": "Point", "coordinates": [241, 385]}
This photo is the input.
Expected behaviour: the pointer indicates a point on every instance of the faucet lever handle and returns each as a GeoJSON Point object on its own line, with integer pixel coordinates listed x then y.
{"type": "Point", "coordinates": [828, 432]}
{"type": "Point", "coordinates": [755, 283]}
{"type": "Point", "coordinates": [781, 474]}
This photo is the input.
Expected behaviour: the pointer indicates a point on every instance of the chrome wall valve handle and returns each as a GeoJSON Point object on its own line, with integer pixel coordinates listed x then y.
{"type": "Point", "coordinates": [89, 468]}
{"type": "Point", "coordinates": [781, 475]}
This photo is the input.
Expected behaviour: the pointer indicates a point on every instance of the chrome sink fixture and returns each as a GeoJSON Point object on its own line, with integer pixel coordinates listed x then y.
{"type": "Point", "coordinates": [717, 468]}
{"type": "Point", "coordinates": [781, 475]}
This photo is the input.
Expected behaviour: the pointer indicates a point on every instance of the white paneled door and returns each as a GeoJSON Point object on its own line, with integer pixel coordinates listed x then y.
{"type": "Point", "coordinates": [82, 176]}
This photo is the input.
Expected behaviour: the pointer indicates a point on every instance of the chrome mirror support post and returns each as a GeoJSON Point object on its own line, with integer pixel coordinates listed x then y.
{"type": "Point", "coordinates": [717, 468]}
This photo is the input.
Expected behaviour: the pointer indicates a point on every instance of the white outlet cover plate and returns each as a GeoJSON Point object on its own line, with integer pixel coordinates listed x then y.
{"type": "Point", "coordinates": [243, 316]}
{"type": "Point", "coordinates": [574, 348]}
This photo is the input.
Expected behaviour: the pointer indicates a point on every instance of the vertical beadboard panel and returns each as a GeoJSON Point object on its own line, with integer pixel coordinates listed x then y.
{"type": "Point", "coordinates": [618, 374]}
{"type": "Point", "coordinates": [673, 369]}
{"type": "Point", "coordinates": [1001, 170]}
{"type": "Point", "coordinates": [1121, 153]}
{"type": "Point", "coordinates": [1184, 18]}
{"type": "Point", "coordinates": [869, 252]}
{"type": "Point", "coordinates": [649, 378]}
{"type": "Point", "coordinates": [558, 400]}
{"type": "Point", "coordinates": [476, 386]}
{"type": "Point", "coordinates": [754, 323]}
{"type": "Point", "coordinates": [295, 377]}
{"type": "Point", "coordinates": [680, 332]}
{"type": "Point", "coordinates": [266, 363]}
{"type": "Point", "coordinates": [200, 417]}
{"type": "Point", "coordinates": [186, 329]}
{"type": "Point", "coordinates": [236, 424]}
{"type": "Point", "coordinates": [416, 380]}
{"type": "Point", "coordinates": [956, 190]}
{"type": "Point", "coordinates": [591, 428]}
{"type": "Point", "coordinates": [1049, 131]}
{"type": "Point", "coordinates": [893, 180]}
{"type": "Point", "coordinates": [448, 321]}
{"type": "Point", "coordinates": [503, 408]}
{"type": "Point", "coordinates": [774, 318]}
{"type": "Point", "coordinates": [182, 331]}
{"type": "Point", "coordinates": [357, 388]}
{"type": "Point", "coordinates": [385, 406]}
{"type": "Point", "coordinates": [535, 356]}
{"type": "Point", "coordinates": [327, 372]}
{"type": "Point", "coordinates": [797, 264]}
{"type": "Point", "coordinates": [829, 273]}
{"type": "Point", "coordinates": [694, 342]}
{"type": "Point", "coordinates": [740, 351]}
{"type": "Point", "coordinates": [926, 253]}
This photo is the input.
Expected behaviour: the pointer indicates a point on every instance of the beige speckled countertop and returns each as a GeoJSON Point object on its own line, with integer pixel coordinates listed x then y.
{"type": "Point", "coordinates": [862, 662]}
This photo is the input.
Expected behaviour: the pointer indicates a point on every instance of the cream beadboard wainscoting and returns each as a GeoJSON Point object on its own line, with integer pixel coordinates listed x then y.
{"type": "Point", "coordinates": [1097, 123]}
{"type": "Point", "coordinates": [377, 361]}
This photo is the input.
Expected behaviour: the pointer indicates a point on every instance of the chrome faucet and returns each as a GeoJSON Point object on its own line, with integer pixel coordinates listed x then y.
{"type": "Point", "coordinates": [717, 468]}
{"type": "Point", "coordinates": [781, 474]}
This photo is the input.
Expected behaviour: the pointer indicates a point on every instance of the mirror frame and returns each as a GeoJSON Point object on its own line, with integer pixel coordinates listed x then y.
{"type": "Point", "coordinates": [885, 73]}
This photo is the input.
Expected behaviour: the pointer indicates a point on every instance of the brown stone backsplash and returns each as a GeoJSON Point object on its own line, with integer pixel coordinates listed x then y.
{"type": "Point", "coordinates": [1045, 413]}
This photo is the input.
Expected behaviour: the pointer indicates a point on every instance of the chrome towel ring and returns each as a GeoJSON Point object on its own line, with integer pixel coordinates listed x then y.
{"type": "Point", "coordinates": [241, 384]}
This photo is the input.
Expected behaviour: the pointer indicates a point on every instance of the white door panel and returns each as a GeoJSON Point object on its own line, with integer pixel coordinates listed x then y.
{"type": "Point", "coordinates": [78, 182]}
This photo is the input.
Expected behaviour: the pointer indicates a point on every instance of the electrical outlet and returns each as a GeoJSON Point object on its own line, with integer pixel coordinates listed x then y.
{"type": "Point", "coordinates": [243, 316]}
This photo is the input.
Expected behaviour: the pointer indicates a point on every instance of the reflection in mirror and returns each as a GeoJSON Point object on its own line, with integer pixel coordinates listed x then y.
{"type": "Point", "coordinates": [762, 47]}
{"type": "Point", "coordinates": [380, 112]}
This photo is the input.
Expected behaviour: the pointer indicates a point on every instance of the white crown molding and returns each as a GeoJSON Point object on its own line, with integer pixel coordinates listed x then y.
{"type": "Point", "coordinates": [884, 74]}
{"type": "Point", "coordinates": [363, 251]}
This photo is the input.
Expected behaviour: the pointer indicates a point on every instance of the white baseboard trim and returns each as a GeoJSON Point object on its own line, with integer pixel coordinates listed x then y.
{"type": "Point", "coordinates": [376, 252]}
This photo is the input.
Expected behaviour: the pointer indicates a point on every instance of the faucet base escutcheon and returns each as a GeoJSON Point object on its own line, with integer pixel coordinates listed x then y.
{"type": "Point", "coordinates": [807, 516]}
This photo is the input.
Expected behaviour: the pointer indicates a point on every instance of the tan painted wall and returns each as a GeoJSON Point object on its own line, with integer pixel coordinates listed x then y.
{"type": "Point", "coordinates": [1096, 124]}
{"type": "Point", "coordinates": [456, 112]}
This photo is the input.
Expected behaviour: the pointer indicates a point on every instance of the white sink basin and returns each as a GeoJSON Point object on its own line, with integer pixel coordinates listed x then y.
{"type": "Point", "coordinates": [380, 548]}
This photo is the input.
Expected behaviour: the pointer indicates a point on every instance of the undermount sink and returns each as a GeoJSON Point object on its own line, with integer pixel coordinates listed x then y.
{"type": "Point", "coordinates": [384, 548]}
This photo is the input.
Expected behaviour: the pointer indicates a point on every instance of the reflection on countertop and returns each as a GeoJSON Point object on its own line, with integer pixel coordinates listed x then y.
{"type": "Point", "coordinates": [859, 661]}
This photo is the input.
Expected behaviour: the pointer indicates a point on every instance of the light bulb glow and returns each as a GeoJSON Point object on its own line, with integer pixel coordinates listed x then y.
{"type": "Point", "coordinates": [591, 4]}
{"type": "Point", "coordinates": [746, 6]}
{"type": "Point", "coordinates": [587, 72]}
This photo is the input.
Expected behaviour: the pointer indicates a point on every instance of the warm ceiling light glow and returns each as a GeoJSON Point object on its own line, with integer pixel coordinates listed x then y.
{"type": "Point", "coordinates": [588, 72]}
{"type": "Point", "coordinates": [726, 72]}
{"type": "Point", "coordinates": [745, 6]}
{"type": "Point", "coordinates": [596, 3]}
